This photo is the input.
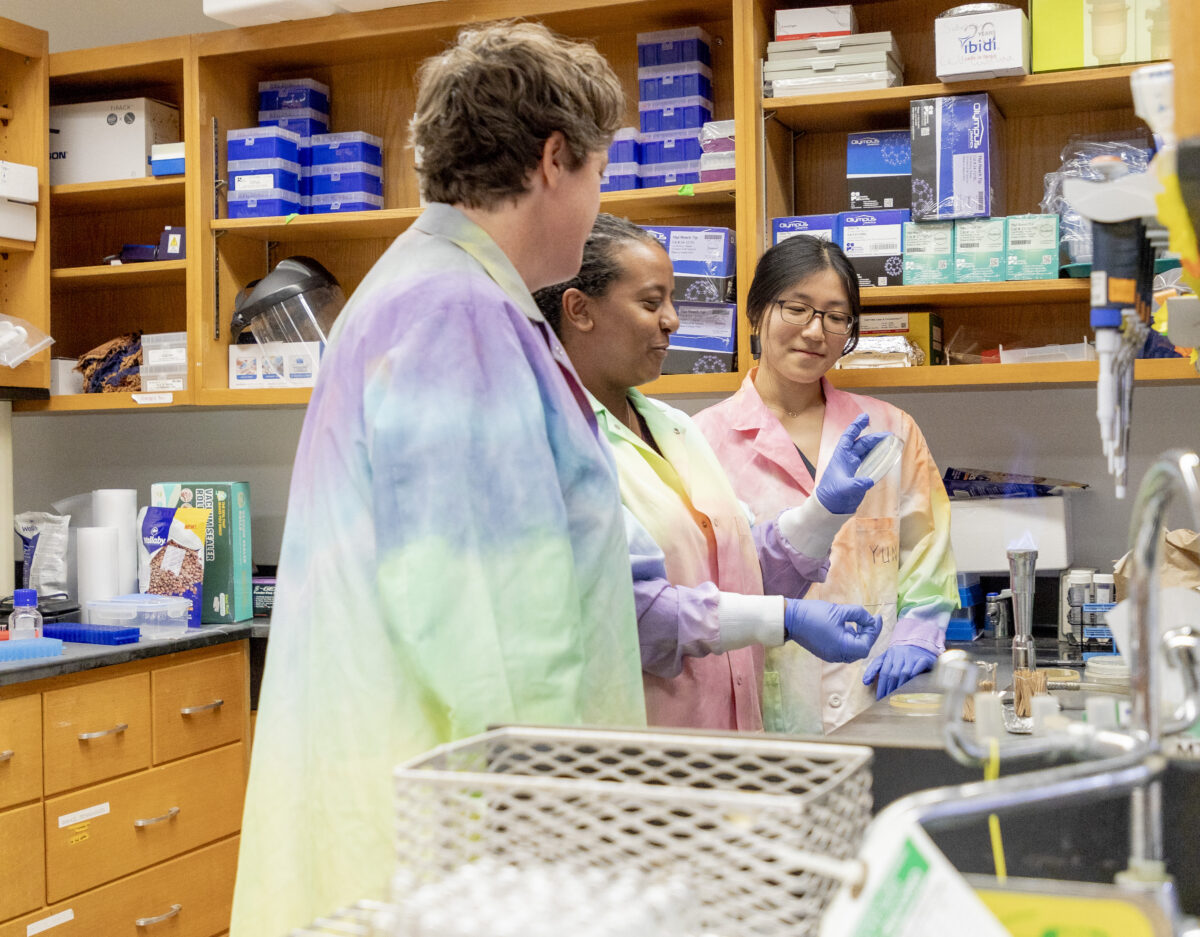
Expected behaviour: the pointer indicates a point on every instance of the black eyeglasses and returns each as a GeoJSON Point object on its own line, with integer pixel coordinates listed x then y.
{"type": "Point", "coordinates": [798, 313]}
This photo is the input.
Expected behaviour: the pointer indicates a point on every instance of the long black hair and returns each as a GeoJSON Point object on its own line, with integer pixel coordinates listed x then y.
{"type": "Point", "coordinates": [788, 263]}
{"type": "Point", "coordinates": [600, 268]}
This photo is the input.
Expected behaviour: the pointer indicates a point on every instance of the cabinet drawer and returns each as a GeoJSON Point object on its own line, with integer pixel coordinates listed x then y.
{"type": "Point", "coordinates": [200, 883]}
{"type": "Point", "coordinates": [21, 861]}
{"type": "Point", "coordinates": [112, 829]}
{"type": "Point", "coordinates": [198, 706]}
{"type": "Point", "coordinates": [95, 731]}
{"type": "Point", "coordinates": [20, 749]}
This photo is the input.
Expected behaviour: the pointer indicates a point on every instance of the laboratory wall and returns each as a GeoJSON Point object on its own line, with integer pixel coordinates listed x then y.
{"type": "Point", "coordinates": [1046, 432]}
{"type": "Point", "coordinates": [85, 24]}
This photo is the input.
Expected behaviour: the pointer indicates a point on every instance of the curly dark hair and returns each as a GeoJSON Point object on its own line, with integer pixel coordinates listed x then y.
{"type": "Point", "coordinates": [486, 106]}
{"type": "Point", "coordinates": [600, 268]}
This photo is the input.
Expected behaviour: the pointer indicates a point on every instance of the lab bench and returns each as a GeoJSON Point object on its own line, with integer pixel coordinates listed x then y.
{"type": "Point", "coordinates": [122, 774]}
{"type": "Point", "coordinates": [1087, 842]}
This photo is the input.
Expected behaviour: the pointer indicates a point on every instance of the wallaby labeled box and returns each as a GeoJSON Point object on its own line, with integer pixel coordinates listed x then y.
{"type": "Point", "coordinates": [227, 564]}
{"type": "Point", "coordinates": [822, 227]}
{"type": "Point", "coordinates": [104, 140]}
{"type": "Point", "coordinates": [979, 254]}
{"type": "Point", "coordinates": [923, 329]}
{"type": "Point", "coordinates": [874, 243]}
{"type": "Point", "coordinates": [1031, 247]}
{"type": "Point", "coordinates": [928, 252]}
{"type": "Point", "coordinates": [878, 170]}
{"type": "Point", "coordinates": [956, 161]}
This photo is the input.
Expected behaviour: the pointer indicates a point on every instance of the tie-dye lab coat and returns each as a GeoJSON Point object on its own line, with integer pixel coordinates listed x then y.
{"type": "Point", "coordinates": [894, 557]}
{"type": "Point", "coordinates": [454, 556]}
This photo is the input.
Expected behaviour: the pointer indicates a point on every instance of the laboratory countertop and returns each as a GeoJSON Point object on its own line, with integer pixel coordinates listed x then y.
{"type": "Point", "coordinates": [78, 657]}
{"type": "Point", "coordinates": [885, 724]}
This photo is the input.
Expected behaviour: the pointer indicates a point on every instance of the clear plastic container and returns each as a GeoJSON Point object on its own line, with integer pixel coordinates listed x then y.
{"type": "Point", "coordinates": [164, 348]}
{"type": "Point", "coordinates": [25, 620]}
{"type": "Point", "coordinates": [881, 459]}
{"type": "Point", "coordinates": [158, 616]}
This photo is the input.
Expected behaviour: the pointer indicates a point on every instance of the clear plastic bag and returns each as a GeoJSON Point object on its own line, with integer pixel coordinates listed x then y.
{"type": "Point", "coordinates": [19, 339]}
{"type": "Point", "coordinates": [1075, 231]}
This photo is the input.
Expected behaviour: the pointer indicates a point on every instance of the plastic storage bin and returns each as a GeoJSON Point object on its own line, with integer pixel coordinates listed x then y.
{"type": "Point", "coordinates": [718, 167]}
{"type": "Point", "coordinates": [681, 173]}
{"type": "Point", "coordinates": [158, 616]}
{"type": "Point", "coordinates": [300, 120]}
{"type": "Point", "coordinates": [626, 146]}
{"type": "Point", "coordinates": [352, 147]}
{"type": "Point", "coordinates": [263, 203]}
{"type": "Point", "coordinates": [164, 348]}
{"type": "Point", "coordinates": [340, 178]}
{"type": "Point", "coordinates": [293, 93]}
{"type": "Point", "coordinates": [163, 378]}
{"type": "Point", "coordinates": [664, 82]}
{"type": "Point", "coordinates": [741, 814]}
{"type": "Point", "coordinates": [620, 177]}
{"type": "Point", "coordinates": [677, 114]}
{"type": "Point", "coordinates": [671, 46]}
{"type": "Point", "coordinates": [1080, 351]}
{"type": "Point", "coordinates": [670, 147]}
{"type": "Point", "coordinates": [247, 175]}
{"type": "Point", "coordinates": [345, 201]}
{"type": "Point", "coordinates": [262, 143]}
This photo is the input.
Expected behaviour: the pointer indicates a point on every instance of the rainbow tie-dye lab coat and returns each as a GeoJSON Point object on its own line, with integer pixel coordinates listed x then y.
{"type": "Point", "coordinates": [893, 557]}
{"type": "Point", "coordinates": [454, 556]}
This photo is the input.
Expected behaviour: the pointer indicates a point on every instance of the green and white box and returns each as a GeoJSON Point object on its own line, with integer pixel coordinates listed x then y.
{"type": "Point", "coordinates": [979, 250]}
{"type": "Point", "coordinates": [227, 567]}
{"type": "Point", "coordinates": [1031, 244]}
{"type": "Point", "coordinates": [928, 252]}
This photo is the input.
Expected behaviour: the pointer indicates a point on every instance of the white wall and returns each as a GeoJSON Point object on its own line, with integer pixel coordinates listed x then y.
{"type": "Point", "coordinates": [1045, 432]}
{"type": "Point", "coordinates": [83, 24]}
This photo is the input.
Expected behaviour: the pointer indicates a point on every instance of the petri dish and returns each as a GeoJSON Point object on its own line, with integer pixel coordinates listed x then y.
{"type": "Point", "coordinates": [916, 703]}
{"type": "Point", "coordinates": [881, 459]}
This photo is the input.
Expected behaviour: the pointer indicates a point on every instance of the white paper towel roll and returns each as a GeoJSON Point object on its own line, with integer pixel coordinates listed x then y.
{"type": "Point", "coordinates": [117, 507]}
{"type": "Point", "coordinates": [99, 569]}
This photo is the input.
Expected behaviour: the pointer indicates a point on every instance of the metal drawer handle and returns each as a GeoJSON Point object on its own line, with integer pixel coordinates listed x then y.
{"type": "Point", "coordinates": [6, 754]}
{"type": "Point", "coordinates": [215, 704]}
{"type": "Point", "coordinates": [173, 812]}
{"type": "Point", "coordinates": [119, 727]}
{"type": "Point", "coordinates": [147, 921]}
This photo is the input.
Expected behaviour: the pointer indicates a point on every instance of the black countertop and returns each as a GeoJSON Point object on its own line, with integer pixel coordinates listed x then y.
{"type": "Point", "coordinates": [77, 657]}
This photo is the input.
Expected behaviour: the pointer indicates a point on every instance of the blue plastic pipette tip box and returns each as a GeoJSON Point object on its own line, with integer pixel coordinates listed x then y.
{"type": "Point", "coordinates": [30, 649]}
{"type": "Point", "coordinates": [92, 634]}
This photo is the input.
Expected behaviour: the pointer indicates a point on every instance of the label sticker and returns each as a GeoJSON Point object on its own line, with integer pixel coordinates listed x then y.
{"type": "Point", "coordinates": [144, 399]}
{"type": "Point", "coordinates": [253, 183]}
{"type": "Point", "coordinates": [87, 813]}
{"type": "Point", "coordinates": [48, 922]}
{"type": "Point", "coordinates": [703, 246]}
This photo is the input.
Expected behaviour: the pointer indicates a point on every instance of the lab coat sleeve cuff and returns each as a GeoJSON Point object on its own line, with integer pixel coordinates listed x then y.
{"type": "Point", "coordinates": [747, 620]}
{"type": "Point", "coordinates": [809, 528]}
{"type": "Point", "coordinates": [922, 630]}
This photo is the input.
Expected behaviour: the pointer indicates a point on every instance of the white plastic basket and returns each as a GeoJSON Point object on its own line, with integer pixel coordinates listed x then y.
{"type": "Point", "coordinates": [761, 828]}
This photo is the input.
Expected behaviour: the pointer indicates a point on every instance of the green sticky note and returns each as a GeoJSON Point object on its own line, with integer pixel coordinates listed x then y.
{"type": "Point", "coordinates": [288, 219]}
{"type": "Point", "coordinates": [689, 190]}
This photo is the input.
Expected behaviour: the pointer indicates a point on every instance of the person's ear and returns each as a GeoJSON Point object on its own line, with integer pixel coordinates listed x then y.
{"type": "Point", "coordinates": [577, 311]}
{"type": "Point", "coordinates": [552, 167]}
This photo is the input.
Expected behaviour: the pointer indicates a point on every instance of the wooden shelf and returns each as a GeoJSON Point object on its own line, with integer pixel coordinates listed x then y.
{"type": "Point", "coordinates": [117, 195]}
{"type": "Point", "coordinates": [78, 403]}
{"type": "Point", "coordinates": [12, 245]}
{"type": "Point", "coordinates": [669, 197]}
{"type": "Point", "coordinates": [725, 383]}
{"type": "Point", "coordinates": [1092, 89]}
{"type": "Point", "coordinates": [6, 113]}
{"type": "Point", "coordinates": [1006, 376]}
{"type": "Point", "coordinates": [257, 397]}
{"type": "Point", "coordinates": [964, 295]}
{"type": "Point", "coordinates": [351, 225]}
{"type": "Point", "coordinates": [119, 276]}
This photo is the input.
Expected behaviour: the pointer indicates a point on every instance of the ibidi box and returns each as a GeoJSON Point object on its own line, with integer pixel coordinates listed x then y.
{"type": "Point", "coordinates": [987, 44]}
{"type": "Point", "coordinates": [105, 140]}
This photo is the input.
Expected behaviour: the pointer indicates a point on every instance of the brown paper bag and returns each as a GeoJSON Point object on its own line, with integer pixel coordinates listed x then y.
{"type": "Point", "coordinates": [1179, 563]}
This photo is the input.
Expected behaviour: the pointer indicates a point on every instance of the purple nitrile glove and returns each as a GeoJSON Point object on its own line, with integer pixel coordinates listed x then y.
{"type": "Point", "coordinates": [896, 666]}
{"type": "Point", "coordinates": [828, 631]}
{"type": "Point", "coordinates": [838, 490]}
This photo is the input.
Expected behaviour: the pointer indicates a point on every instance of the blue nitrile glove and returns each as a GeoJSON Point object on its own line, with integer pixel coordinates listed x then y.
{"type": "Point", "coordinates": [827, 630]}
{"type": "Point", "coordinates": [896, 666]}
{"type": "Point", "coordinates": [838, 490]}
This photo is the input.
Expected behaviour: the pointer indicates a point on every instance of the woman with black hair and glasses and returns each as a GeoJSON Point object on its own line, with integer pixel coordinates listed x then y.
{"type": "Point", "coordinates": [775, 438]}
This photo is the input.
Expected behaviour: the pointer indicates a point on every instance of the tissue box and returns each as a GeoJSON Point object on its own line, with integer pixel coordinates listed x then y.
{"type": "Point", "coordinates": [705, 342]}
{"type": "Point", "coordinates": [979, 255]}
{"type": "Point", "coordinates": [815, 22]}
{"type": "Point", "coordinates": [956, 171]}
{"type": "Point", "coordinates": [928, 252]}
{"type": "Point", "coordinates": [825, 227]}
{"type": "Point", "coordinates": [879, 170]}
{"type": "Point", "coordinates": [227, 565]}
{"type": "Point", "coordinates": [923, 329]}
{"type": "Point", "coordinates": [1031, 247]}
{"type": "Point", "coordinates": [105, 140]}
{"type": "Point", "coordinates": [982, 45]}
{"type": "Point", "coordinates": [874, 243]}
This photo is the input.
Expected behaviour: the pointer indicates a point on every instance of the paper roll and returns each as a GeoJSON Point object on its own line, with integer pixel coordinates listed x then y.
{"type": "Point", "coordinates": [117, 507]}
{"type": "Point", "coordinates": [98, 565]}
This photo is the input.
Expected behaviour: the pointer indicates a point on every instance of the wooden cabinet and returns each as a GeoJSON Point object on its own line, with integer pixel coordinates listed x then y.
{"type": "Point", "coordinates": [25, 265]}
{"type": "Point", "coordinates": [138, 813]}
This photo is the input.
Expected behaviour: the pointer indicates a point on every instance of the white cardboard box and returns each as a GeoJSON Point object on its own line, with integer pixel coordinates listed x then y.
{"type": "Point", "coordinates": [283, 364]}
{"type": "Point", "coordinates": [105, 140]}
{"type": "Point", "coordinates": [815, 22]}
{"type": "Point", "coordinates": [18, 182]}
{"type": "Point", "coordinates": [982, 45]}
{"type": "Point", "coordinates": [982, 530]}
{"type": "Point", "coordinates": [18, 220]}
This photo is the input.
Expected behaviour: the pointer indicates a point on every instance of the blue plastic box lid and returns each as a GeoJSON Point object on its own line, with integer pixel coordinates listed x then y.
{"type": "Point", "coordinates": [345, 201]}
{"type": "Point", "coordinates": [262, 143]}
{"type": "Point", "coordinates": [671, 146]}
{"type": "Point", "coordinates": [663, 82]}
{"type": "Point", "coordinates": [676, 114]}
{"type": "Point", "coordinates": [353, 146]}
{"type": "Point", "coordinates": [669, 46]}
{"type": "Point", "coordinates": [293, 93]}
